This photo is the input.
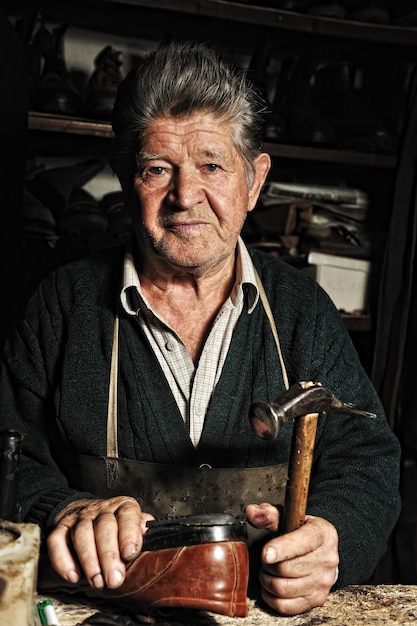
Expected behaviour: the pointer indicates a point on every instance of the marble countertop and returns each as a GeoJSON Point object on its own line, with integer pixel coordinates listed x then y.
{"type": "Point", "coordinates": [379, 605]}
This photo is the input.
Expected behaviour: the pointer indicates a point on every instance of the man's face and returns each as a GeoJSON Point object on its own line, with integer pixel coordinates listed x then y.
{"type": "Point", "coordinates": [192, 192]}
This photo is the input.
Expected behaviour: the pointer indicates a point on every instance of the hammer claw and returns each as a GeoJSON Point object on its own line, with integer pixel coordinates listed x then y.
{"type": "Point", "coordinates": [300, 399]}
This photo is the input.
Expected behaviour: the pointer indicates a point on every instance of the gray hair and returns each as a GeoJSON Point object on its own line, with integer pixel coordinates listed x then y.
{"type": "Point", "coordinates": [179, 79]}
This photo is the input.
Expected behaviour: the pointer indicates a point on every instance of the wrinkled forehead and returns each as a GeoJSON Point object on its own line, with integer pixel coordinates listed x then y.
{"type": "Point", "coordinates": [200, 134]}
{"type": "Point", "coordinates": [203, 120]}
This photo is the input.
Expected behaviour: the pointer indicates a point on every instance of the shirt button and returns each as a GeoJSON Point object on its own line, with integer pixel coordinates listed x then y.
{"type": "Point", "coordinates": [171, 345]}
{"type": "Point", "coordinates": [198, 411]}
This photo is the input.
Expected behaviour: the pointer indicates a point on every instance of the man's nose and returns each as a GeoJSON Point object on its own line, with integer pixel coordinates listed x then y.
{"type": "Point", "coordinates": [187, 189]}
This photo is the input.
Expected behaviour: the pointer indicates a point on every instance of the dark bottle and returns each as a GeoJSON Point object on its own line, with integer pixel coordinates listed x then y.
{"type": "Point", "coordinates": [10, 446]}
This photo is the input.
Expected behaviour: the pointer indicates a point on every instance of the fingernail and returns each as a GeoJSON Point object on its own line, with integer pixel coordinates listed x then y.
{"type": "Point", "coordinates": [130, 551]}
{"type": "Point", "coordinates": [270, 555]}
{"type": "Point", "coordinates": [115, 578]}
{"type": "Point", "coordinates": [97, 581]}
{"type": "Point", "coordinates": [72, 576]}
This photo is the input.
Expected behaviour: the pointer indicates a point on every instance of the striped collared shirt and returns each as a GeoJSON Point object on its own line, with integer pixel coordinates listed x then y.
{"type": "Point", "coordinates": [192, 385]}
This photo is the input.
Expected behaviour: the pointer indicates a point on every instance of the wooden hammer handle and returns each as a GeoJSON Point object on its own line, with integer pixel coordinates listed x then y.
{"type": "Point", "coordinates": [299, 471]}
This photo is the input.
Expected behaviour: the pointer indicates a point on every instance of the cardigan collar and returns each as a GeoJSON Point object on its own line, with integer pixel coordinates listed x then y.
{"type": "Point", "coordinates": [131, 292]}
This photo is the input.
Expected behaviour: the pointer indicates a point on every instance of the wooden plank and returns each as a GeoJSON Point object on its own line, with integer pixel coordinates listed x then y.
{"type": "Point", "coordinates": [71, 125]}
{"type": "Point", "coordinates": [266, 16]}
{"type": "Point", "coordinates": [346, 157]}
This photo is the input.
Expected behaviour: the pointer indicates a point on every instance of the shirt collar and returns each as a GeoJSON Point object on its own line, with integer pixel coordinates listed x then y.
{"type": "Point", "coordinates": [131, 292]}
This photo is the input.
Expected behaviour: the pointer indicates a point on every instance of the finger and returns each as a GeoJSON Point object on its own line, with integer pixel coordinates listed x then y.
{"type": "Point", "coordinates": [106, 533]}
{"type": "Point", "coordinates": [283, 594]}
{"type": "Point", "coordinates": [131, 527]}
{"type": "Point", "coordinates": [60, 555]}
{"type": "Point", "coordinates": [290, 606]}
{"type": "Point", "coordinates": [302, 541]}
{"type": "Point", "coordinates": [83, 536]}
{"type": "Point", "coordinates": [92, 535]}
{"type": "Point", "coordinates": [263, 515]}
{"type": "Point", "coordinates": [283, 587]}
{"type": "Point", "coordinates": [292, 596]}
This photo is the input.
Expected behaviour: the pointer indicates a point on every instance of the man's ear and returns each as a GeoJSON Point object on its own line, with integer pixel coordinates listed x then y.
{"type": "Point", "coordinates": [262, 165]}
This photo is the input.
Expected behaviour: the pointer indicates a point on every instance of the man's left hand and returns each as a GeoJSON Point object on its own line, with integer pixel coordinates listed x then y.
{"type": "Point", "coordinates": [299, 568]}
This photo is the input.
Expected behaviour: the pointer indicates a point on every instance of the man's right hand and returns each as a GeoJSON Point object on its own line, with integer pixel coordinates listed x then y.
{"type": "Point", "coordinates": [96, 538]}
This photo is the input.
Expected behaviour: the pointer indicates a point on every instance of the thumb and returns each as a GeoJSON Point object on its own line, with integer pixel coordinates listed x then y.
{"type": "Point", "coordinates": [263, 515]}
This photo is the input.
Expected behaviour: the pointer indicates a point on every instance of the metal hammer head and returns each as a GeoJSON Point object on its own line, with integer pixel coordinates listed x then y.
{"type": "Point", "coordinates": [300, 399]}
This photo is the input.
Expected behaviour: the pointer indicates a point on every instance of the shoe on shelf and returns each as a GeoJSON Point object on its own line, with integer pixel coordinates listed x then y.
{"type": "Point", "coordinates": [326, 8]}
{"type": "Point", "coordinates": [102, 86]}
{"type": "Point", "coordinates": [54, 186]}
{"type": "Point", "coordinates": [294, 99]}
{"type": "Point", "coordinates": [37, 220]}
{"type": "Point", "coordinates": [31, 31]}
{"type": "Point", "coordinates": [264, 68]}
{"type": "Point", "coordinates": [372, 11]}
{"type": "Point", "coordinates": [345, 95]}
{"type": "Point", "coordinates": [296, 6]}
{"type": "Point", "coordinates": [403, 12]}
{"type": "Point", "coordinates": [120, 222]}
{"type": "Point", "coordinates": [83, 214]}
{"type": "Point", "coordinates": [55, 93]}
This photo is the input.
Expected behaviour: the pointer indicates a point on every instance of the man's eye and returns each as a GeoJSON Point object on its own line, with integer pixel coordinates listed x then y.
{"type": "Point", "coordinates": [156, 170]}
{"type": "Point", "coordinates": [212, 167]}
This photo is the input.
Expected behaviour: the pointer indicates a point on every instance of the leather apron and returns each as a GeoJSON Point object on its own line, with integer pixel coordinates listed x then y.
{"type": "Point", "coordinates": [171, 490]}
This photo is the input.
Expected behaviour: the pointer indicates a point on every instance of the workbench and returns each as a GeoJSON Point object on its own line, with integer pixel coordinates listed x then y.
{"type": "Point", "coordinates": [379, 605]}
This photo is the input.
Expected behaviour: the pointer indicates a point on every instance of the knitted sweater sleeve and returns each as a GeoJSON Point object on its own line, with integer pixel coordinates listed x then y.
{"type": "Point", "coordinates": [355, 475]}
{"type": "Point", "coordinates": [355, 478]}
{"type": "Point", "coordinates": [29, 396]}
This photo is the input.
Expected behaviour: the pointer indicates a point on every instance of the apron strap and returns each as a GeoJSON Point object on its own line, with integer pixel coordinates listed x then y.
{"type": "Point", "coordinates": [112, 445]}
{"type": "Point", "coordinates": [265, 302]}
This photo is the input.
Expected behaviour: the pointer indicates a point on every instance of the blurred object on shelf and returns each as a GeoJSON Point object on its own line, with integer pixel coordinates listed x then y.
{"type": "Point", "coordinates": [120, 221]}
{"type": "Point", "coordinates": [294, 100]}
{"type": "Point", "coordinates": [54, 186]}
{"type": "Point", "coordinates": [315, 101]}
{"type": "Point", "coordinates": [310, 216]}
{"type": "Point", "coordinates": [347, 95]}
{"type": "Point", "coordinates": [264, 70]}
{"type": "Point", "coordinates": [37, 220]}
{"type": "Point", "coordinates": [102, 86]}
{"type": "Point", "coordinates": [372, 11]}
{"type": "Point", "coordinates": [403, 12]}
{"type": "Point", "coordinates": [10, 452]}
{"type": "Point", "coordinates": [83, 214]}
{"type": "Point", "coordinates": [323, 8]}
{"type": "Point", "coordinates": [54, 92]}
{"type": "Point", "coordinates": [344, 279]}
{"type": "Point", "coordinates": [336, 195]}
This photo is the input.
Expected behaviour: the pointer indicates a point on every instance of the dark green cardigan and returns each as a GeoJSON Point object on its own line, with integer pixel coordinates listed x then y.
{"type": "Point", "coordinates": [54, 388]}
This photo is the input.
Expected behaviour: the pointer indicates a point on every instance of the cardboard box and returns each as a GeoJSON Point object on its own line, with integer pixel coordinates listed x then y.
{"type": "Point", "coordinates": [343, 278]}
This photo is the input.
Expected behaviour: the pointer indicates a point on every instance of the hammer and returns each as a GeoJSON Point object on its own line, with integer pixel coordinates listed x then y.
{"type": "Point", "coordinates": [302, 403]}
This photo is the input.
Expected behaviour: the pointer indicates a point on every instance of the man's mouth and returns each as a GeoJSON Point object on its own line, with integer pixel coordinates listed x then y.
{"type": "Point", "coordinates": [185, 227]}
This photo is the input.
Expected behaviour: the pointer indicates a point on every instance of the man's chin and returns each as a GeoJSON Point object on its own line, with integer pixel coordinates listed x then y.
{"type": "Point", "coordinates": [183, 255]}
{"type": "Point", "coordinates": [198, 265]}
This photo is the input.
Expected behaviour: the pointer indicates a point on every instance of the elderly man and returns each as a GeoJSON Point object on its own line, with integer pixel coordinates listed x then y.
{"type": "Point", "coordinates": [194, 348]}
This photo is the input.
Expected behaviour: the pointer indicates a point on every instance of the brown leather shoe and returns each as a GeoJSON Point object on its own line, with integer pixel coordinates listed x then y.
{"type": "Point", "coordinates": [210, 576]}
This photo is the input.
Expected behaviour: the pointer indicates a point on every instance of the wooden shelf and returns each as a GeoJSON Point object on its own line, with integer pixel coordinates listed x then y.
{"type": "Point", "coordinates": [220, 11]}
{"type": "Point", "coordinates": [234, 27]}
{"type": "Point", "coordinates": [289, 20]}
{"type": "Point", "coordinates": [357, 322]}
{"type": "Point", "coordinates": [346, 157]}
{"type": "Point", "coordinates": [72, 125]}
{"type": "Point", "coordinates": [79, 126]}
